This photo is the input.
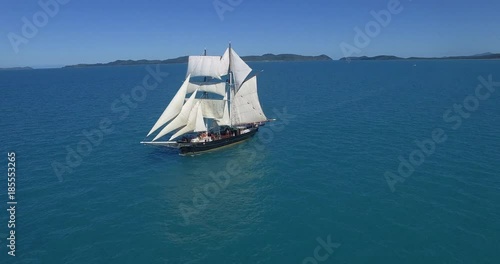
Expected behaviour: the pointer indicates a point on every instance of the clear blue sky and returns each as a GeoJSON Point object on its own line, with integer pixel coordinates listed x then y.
{"type": "Point", "coordinates": [90, 31]}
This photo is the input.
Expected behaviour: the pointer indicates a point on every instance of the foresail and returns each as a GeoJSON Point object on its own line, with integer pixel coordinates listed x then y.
{"type": "Point", "coordinates": [181, 119]}
{"type": "Point", "coordinates": [245, 105]}
{"type": "Point", "coordinates": [200, 122]}
{"type": "Point", "coordinates": [212, 66]}
{"type": "Point", "coordinates": [195, 122]}
{"type": "Point", "coordinates": [192, 122]}
{"type": "Point", "coordinates": [173, 108]}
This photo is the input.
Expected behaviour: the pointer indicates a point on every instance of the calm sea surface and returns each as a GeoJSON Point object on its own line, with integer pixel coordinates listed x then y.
{"type": "Point", "coordinates": [314, 177]}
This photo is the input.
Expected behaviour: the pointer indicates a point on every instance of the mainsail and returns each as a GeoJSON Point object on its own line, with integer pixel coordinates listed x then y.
{"type": "Point", "coordinates": [225, 120]}
{"type": "Point", "coordinates": [240, 103]}
{"type": "Point", "coordinates": [245, 106]}
{"type": "Point", "coordinates": [212, 108]}
{"type": "Point", "coordinates": [216, 88]}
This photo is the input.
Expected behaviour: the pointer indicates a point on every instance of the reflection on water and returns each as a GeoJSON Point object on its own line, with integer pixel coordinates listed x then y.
{"type": "Point", "coordinates": [224, 186]}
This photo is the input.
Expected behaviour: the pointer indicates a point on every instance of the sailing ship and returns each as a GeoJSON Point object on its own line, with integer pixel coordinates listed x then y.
{"type": "Point", "coordinates": [216, 106]}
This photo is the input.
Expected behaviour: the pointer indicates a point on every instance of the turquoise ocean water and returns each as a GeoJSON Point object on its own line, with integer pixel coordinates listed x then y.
{"type": "Point", "coordinates": [315, 176]}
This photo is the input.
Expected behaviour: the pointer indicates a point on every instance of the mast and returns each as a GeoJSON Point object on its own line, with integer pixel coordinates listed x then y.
{"type": "Point", "coordinates": [205, 94]}
{"type": "Point", "coordinates": [205, 54]}
{"type": "Point", "coordinates": [229, 98]}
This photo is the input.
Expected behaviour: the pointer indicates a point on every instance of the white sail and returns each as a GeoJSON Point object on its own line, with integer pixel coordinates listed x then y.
{"type": "Point", "coordinates": [225, 62]}
{"type": "Point", "coordinates": [216, 88]}
{"type": "Point", "coordinates": [181, 119]}
{"type": "Point", "coordinates": [225, 119]}
{"type": "Point", "coordinates": [194, 123]}
{"type": "Point", "coordinates": [240, 104]}
{"type": "Point", "coordinates": [245, 105]}
{"type": "Point", "coordinates": [200, 122]}
{"type": "Point", "coordinates": [212, 108]}
{"type": "Point", "coordinates": [173, 108]}
{"type": "Point", "coordinates": [211, 66]}
{"type": "Point", "coordinates": [240, 69]}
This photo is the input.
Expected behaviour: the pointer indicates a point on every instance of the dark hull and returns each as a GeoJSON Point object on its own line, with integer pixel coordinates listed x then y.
{"type": "Point", "coordinates": [206, 146]}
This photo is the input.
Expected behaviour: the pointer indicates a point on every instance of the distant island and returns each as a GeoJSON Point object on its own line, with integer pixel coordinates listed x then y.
{"type": "Point", "coordinates": [16, 68]}
{"type": "Point", "coordinates": [483, 56]}
{"type": "Point", "coordinates": [184, 59]}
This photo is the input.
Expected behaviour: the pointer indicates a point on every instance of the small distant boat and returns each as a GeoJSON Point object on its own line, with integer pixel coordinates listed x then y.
{"type": "Point", "coordinates": [216, 106]}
